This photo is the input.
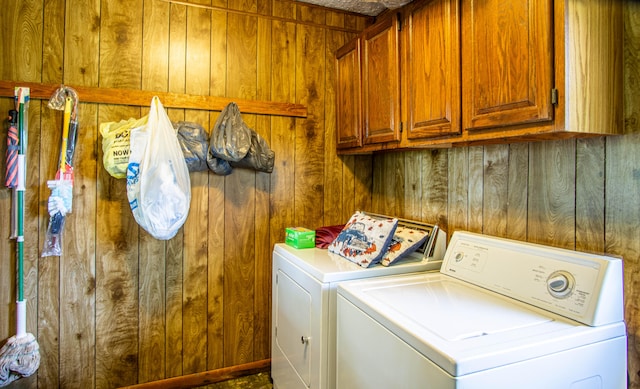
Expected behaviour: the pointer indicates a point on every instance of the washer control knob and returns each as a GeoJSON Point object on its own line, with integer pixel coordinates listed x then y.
{"type": "Point", "coordinates": [560, 284]}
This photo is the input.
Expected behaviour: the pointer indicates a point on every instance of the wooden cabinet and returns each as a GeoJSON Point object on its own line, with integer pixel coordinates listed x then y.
{"type": "Point", "coordinates": [541, 69]}
{"type": "Point", "coordinates": [368, 88]}
{"type": "Point", "coordinates": [507, 63]}
{"type": "Point", "coordinates": [381, 82]}
{"type": "Point", "coordinates": [348, 96]}
{"type": "Point", "coordinates": [431, 68]}
{"type": "Point", "coordinates": [494, 71]}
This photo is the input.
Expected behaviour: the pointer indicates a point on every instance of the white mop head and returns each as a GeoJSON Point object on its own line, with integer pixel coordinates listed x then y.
{"type": "Point", "coordinates": [19, 357]}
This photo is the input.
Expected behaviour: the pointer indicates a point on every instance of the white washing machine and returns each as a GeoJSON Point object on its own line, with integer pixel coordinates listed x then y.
{"type": "Point", "coordinates": [499, 314]}
{"type": "Point", "coordinates": [304, 307]}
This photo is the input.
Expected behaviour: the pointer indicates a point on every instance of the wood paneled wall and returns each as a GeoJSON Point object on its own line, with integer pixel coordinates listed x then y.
{"type": "Point", "coordinates": [577, 194]}
{"type": "Point", "coordinates": [119, 307]}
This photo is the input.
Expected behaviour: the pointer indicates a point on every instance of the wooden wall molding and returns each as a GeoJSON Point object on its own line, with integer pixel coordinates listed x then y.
{"type": "Point", "coordinates": [143, 98]}
{"type": "Point", "coordinates": [207, 377]}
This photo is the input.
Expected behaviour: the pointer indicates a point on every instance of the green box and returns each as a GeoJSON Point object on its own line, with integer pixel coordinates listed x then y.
{"type": "Point", "coordinates": [300, 237]}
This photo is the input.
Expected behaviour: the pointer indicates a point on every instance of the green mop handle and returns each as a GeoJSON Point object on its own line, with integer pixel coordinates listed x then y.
{"type": "Point", "coordinates": [20, 190]}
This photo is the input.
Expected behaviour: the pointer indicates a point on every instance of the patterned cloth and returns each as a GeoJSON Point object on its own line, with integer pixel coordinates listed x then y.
{"type": "Point", "coordinates": [13, 148]}
{"type": "Point", "coordinates": [364, 239]}
{"type": "Point", "coordinates": [405, 241]}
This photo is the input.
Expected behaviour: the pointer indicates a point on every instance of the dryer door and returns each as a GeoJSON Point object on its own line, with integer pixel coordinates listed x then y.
{"type": "Point", "coordinates": [293, 324]}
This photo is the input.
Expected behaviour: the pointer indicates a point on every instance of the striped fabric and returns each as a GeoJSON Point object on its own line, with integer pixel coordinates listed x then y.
{"type": "Point", "coordinates": [11, 173]}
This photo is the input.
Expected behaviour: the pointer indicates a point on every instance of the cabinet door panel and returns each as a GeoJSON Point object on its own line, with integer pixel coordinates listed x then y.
{"type": "Point", "coordinates": [507, 62]}
{"type": "Point", "coordinates": [433, 64]}
{"type": "Point", "coordinates": [381, 83]}
{"type": "Point", "coordinates": [348, 110]}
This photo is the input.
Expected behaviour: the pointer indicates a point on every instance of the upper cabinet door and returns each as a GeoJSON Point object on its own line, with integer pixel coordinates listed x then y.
{"type": "Point", "coordinates": [381, 82]}
{"type": "Point", "coordinates": [507, 62]}
{"type": "Point", "coordinates": [348, 96]}
{"type": "Point", "coordinates": [432, 52]}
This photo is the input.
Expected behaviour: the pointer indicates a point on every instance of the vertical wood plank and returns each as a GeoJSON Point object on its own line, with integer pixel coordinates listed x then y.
{"type": "Point", "coordinates": [216, 299]}
{"type": "Point", "coordinates": [622, 225]}
{"type": "Point", "coordinates": [495, 189]}
{"type": "Point", "coordinates": [283, 88]}
{"type": "Point", "coordinates": [117, 257]}
{"type": "Point", "coordinates": [348, 189]}
{"type": "Point", "coordinates": [78, 273]}
{"type": "Point", "coordinates": [239, 288]}
{"type": "Point", "coordinates": [412, 185]}
{"type": "Point", "coordinates": [476, 182]}
{"type": "Point", "coordinates": [552, 193]}
{"type": "Point", "coordinates": [458, 190]}
{"type": "Point", "coordinates": [174, 248]}
{"type": "Point", "coordinates": [333, 174]}
{"type": "Point", "coordinates": [309, 163]}
{"type": "Point", "coordinates": [363, 185]}
{"type": "Point", "coordinates": [435, 188]}
{"type": "Point", "coordinates": [262, 278]}
{"type": "Point", "coordinates": [389, 191]}
{"type": "Point", "coordinates": [590, 194]}
{"type": "Point", "coordinates": [152, 285]}
{"type": "Point", "coordinates": [24, 29]}
{"type": "Point", "coordinates": [49, 281]}
{"type": "Point", "coordinates": [516, 223]}
{"type": "Point", "coordinates": [622, 187]}
{"type": "Point", "coordinates": [380, 192]}
{"type": "Point", "coordinates": [118, 292]}
{"type": "Point", "coordinates": [49, 270]}
{"type": "Point", "coordinates": [195, 301]}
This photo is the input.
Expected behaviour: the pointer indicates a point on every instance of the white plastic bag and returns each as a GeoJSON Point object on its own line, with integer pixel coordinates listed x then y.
{"type": "Point", "coordinates": [158, 184]}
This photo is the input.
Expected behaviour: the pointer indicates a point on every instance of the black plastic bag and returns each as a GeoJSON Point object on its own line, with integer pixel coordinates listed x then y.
{"type": "Point", "coordinates": [231, 137]}
{"type": "Point", "coordinates": [194, 143]}
{"type": "Point", "coordinates": [218, 166]}
{"type": "Point", "coordinates": [260, 157]}
{"type": "Point", "coordinates": [234, 144]}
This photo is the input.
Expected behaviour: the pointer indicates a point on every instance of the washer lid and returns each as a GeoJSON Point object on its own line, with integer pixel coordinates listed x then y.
{"type": "Point", "coordinates": [455, 311]}
{"type": "Point", "coordinates": [327, 267]}
{"type": "Point", "coordinates": [464, 328]}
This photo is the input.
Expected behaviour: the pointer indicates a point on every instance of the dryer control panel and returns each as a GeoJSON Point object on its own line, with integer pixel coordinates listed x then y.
{"type": "Point", "coordinates": [580, 286]}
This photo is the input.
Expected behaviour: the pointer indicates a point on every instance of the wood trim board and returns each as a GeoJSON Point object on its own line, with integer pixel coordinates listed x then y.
{"type": "Point", "coordinates": [135, 97]}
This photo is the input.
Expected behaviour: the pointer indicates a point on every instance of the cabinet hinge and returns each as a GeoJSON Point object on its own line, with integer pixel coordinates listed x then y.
{"type": "Point", "coordinates": [554, 96]}
{"type": "Point", "coordinates": [399, 19]}
{"type": "Point", "coordinates": [401, 127]}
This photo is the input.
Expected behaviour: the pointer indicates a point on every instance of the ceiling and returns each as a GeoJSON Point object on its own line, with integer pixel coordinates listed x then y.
{"type": "Point", "coordinates": [365, 7]}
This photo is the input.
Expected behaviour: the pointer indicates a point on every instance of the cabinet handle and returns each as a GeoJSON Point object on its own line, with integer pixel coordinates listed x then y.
{"type": "Point", "coordinates": [304, 339]}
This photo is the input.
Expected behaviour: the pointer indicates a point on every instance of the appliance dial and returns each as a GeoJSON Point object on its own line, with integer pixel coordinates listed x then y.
{"type": "Point", "coordinates": [560, 284]}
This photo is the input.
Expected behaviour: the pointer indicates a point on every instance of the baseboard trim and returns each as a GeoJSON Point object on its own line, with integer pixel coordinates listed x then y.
{"type": "Point", "coordinates": [206, 377]}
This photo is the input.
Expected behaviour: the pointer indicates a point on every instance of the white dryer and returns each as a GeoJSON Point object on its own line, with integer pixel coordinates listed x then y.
{"type": "Point", "coordinates": [304, 307]}
{"type": "Point", "coordinates": [500, 314]}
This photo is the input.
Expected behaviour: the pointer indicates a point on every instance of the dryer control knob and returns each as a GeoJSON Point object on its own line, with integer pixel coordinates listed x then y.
{"type": "Point", "coordinates": [560, 284]}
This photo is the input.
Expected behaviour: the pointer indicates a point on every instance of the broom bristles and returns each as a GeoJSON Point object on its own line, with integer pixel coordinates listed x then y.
{"type": "Point", "coordinates": [19, 357]}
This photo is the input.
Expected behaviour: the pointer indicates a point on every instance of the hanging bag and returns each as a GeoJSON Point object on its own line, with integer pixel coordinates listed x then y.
{"type": "Point", "coordinates": [158, 185]}
{"type": "Point", "coordinates": [231, 137]}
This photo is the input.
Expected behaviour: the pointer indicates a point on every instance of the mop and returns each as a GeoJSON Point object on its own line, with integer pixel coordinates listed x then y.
{"type": "Point", "coordinates": [20, 356]}
{"type": "Point", "coordinates": [60, 201]}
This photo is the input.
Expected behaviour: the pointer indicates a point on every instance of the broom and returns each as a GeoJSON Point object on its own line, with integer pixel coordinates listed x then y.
{"type": "Point", "coordinates": [20, 356]}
